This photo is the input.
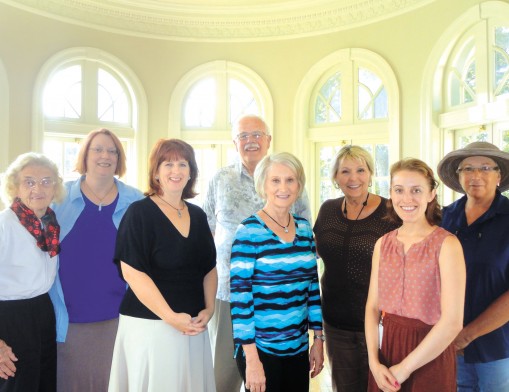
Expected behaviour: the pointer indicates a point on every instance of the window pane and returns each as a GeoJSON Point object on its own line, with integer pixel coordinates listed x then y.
{"type": "Point", "coordinates": [64, 154]}
{"type": "Point", "coordinates": [370, 80]}
{"type": "Point", "coordinates": [504, 137]}
{"type": "Point", "coordinates": [382, 160]}
{"type": "Point", "coordinates": [470, 81]}
{"type": "Point", "coordinates": [207, 161]}
{"type": "Point", "coordinates": [466, 138]}
{"type": "Point", "coordinates": [328, 101]}
{"type": "Point", "coordinates": [365, 104]}
{"type": "Point", "coordinates": [381, 109]}
{"type": "Point", "coordinates": [382, 178]}
{"type": "Point", "coordinates": [372, 96]}
{"type": "Point", "coordinates": [62, 94]}
{"type": "Point", "coordinates": [112, 103]}
{"type": "Point", "coordinates": [327, 190]}
{"type": "Point", "coordinates": [200, 104]}
{"type": "Point", "coordinates": [501, 51]}
{"type": "Point", "coordinates": [462, 77]}
{"type": "Point", "coordinates": [242, 100]}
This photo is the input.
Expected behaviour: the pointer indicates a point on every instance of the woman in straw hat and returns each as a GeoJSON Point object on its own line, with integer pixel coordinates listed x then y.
{"type": "Point", "coordinates": [480, 220]}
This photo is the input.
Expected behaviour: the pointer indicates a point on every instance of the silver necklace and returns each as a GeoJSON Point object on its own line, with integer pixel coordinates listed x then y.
{"type": "Point", "coordinates": [97, 197]}
{"type": "Point", "coordinates": [285, 228]}
{"type": "Point", "coordinates": [175, 208]}
{"type": "Point", "coordinates": [364, 204]}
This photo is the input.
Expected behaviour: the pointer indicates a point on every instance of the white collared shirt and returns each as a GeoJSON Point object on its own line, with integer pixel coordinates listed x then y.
{"type": "Point", "coordinates": [25, 270]}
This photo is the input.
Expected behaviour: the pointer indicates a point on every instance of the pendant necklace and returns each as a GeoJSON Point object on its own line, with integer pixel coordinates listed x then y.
{"type": "Point", "coordinates": [364, 204]}
{"type": "Point", "coordinates": [175, 208]}
{"type": "Point", "coordinates": [285, 228]}
{"type": "Point", "coordinates": [97, 197]}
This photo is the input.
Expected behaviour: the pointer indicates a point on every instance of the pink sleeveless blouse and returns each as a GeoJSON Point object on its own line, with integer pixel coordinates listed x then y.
{"type": "Point", "coordinates": [409, 284]}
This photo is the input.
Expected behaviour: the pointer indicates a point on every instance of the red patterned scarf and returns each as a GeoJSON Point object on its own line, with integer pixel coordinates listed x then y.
{"type": "Point", "coordinates": [46, 234]}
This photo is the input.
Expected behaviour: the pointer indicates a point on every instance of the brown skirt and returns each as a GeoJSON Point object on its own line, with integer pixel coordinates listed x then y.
{"type": "Point", "coordinates": [401, 336]}
{"type": "Point", "coordinates": [84, 360]}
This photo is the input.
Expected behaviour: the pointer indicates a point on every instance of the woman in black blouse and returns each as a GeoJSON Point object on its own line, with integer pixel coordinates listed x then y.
{"type": "Point", "coordinates": [166, 254]}
{"type": "Point", "coordinates": [346, 230]}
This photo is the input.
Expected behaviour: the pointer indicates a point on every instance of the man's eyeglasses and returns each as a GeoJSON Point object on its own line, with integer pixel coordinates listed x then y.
{"type": "Point", "coordinates": [244, 136]}
{"type": "Point", "coordinates": [481, 169]}
{"type": "Point", "coordinates": [30, 183]}
{"type": "Point", "coordinates": [99, 150]}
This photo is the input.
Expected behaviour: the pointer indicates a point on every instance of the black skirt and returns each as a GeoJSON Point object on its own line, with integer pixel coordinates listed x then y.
{"type": "Point", "coordinates": [28, 327]}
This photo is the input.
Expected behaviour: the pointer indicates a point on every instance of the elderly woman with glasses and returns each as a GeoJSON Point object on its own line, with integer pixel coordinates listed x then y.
{"type": "Point", "coordinates": [28, 265]}
{"type": "Point", "coordinates": [275, 298]}
{"type": "Point", "coordinates": [480, 219]}
{"type": "Point", "coordinates": [88, 286]}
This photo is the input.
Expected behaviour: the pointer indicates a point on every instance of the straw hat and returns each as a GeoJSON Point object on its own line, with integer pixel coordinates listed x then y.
{"type": "Point", "coordinates": [450, 163]}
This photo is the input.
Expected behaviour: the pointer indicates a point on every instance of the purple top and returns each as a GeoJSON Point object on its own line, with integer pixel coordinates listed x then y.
{"type": "Point", "coordinates": [93, 290]}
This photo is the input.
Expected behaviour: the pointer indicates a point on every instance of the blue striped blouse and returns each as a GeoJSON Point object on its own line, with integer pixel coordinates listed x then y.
{"type": "Point", "coordinates": [275, 296]}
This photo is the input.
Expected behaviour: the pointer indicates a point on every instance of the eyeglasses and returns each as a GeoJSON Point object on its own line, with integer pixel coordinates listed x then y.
{"type": "Point", "coordinates": [467, 170]}
{"type": "Point", "coordinates": [30, 183]}
{"type": "Point", "coordinates": [256, 135]}
{"type": "Point", "coordinates": [99, 150]}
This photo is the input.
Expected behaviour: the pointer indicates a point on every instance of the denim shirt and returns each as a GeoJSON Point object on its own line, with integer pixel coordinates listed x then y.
{"type": "Point", "coordinates": [486, 247]}
{"type": "Point", "coordinates": [67, 213]}
{"type": "Point", "coordinates": [231, 198]}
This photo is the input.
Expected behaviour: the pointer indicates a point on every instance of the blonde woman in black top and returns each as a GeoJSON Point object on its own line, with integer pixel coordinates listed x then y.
{"type": "Point", "coordinates": [346, 230]}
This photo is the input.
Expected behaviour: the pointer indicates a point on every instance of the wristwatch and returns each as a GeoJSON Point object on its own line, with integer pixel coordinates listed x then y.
{"type": "Point", "coordinates": [321, 337]}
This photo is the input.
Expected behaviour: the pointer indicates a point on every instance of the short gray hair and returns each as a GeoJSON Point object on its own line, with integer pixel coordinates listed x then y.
{"type": "Point", "coordinates": [283, 158]}
{"type": "Point", "coordinates": [235, 126]}
{"type": "Point", "coordinates": [10, 179]}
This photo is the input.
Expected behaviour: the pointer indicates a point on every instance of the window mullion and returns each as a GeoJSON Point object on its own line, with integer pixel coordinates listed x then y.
{"type": "Point", "coordinates": [89, 91]}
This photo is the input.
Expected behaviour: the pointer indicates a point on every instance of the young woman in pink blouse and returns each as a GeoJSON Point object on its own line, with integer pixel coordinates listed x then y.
{"type": "Point", "coordinates": [418, 283]}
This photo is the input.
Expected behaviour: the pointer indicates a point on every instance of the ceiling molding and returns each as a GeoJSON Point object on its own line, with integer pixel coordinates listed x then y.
{"type": "Point", "coordinates": [219, 20]}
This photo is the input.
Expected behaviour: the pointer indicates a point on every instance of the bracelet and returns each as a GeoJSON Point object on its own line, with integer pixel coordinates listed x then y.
{"type": "Point", "coordinates": [321, 337]}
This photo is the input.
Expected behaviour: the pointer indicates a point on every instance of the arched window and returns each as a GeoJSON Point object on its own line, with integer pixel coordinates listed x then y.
{"type": "Point", "coordinates": [82, 89]}
{"type": "Point", "coordinates": [469, 75]}
{"type": "Point", "coordinates": [353, 100]}
{"type": "Point", "coordinates": [204, 105]}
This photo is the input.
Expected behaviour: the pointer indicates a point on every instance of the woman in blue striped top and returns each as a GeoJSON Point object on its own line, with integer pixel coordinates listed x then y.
{"type": "Point", "coordinates": [275, 297]}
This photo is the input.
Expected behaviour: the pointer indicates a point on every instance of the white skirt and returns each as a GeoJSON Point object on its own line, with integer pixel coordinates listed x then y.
{"type": "Point", "coordinates": [152, 356]}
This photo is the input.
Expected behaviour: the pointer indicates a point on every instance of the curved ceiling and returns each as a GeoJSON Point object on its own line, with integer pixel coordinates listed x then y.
{"type": "Point", "coordinates": [219, 20]}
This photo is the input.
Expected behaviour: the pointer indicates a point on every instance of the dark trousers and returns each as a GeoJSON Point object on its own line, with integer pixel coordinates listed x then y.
{"type": "Point", "coordinates": [28, 327]}
{"type": "Point", "coordinates": [282, 374]}
{"type": "Point", "coordinates": [348, 359]}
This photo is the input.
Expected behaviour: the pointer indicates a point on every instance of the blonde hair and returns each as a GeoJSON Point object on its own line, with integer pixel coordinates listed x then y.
{"type": "Point", "coordinates": [353, 152]}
